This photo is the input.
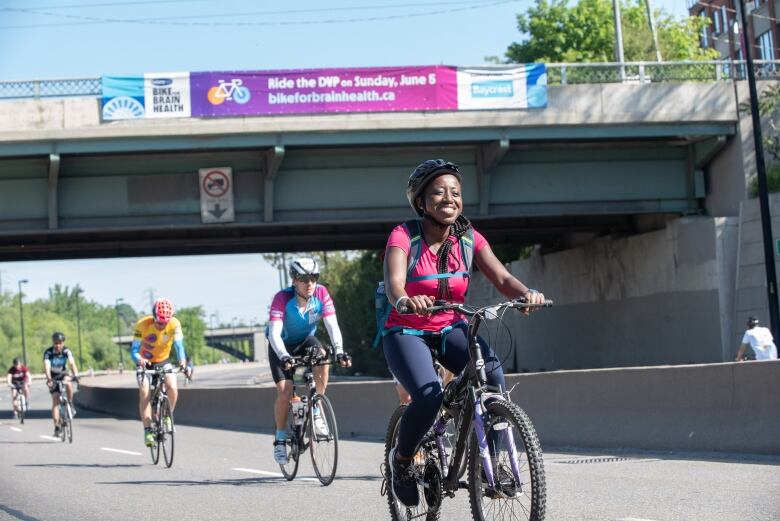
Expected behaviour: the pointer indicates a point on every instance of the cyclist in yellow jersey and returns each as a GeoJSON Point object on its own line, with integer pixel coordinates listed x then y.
{"type": "Point", "coordinates": [153, 339]}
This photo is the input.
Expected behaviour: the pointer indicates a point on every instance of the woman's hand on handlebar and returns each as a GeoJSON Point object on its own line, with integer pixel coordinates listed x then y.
{"type": "Point", "coordinates": [532, 297]}
{"type": "Point", "coordinates": [417, 304]}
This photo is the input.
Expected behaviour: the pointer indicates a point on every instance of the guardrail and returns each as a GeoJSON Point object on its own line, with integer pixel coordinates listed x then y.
{"type": "Point", "coordinates": [557, 74]}
{"type": "Point", "coordinates": [724, 407]}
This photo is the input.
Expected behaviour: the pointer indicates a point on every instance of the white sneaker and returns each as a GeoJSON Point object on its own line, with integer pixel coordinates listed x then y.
{"type": "Point", "coordinates": [320, 429]}
{"type": "Point", "coordinates": [280, 452]}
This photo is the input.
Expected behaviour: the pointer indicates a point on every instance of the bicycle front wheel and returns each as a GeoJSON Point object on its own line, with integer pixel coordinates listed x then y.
{"type": "Point", "coordinates": [324, 437]}
{"type": "Point", "coordinates": [516, 462]}
{"type": "Point", "coordinates": [293, 441]}
{"type": "Point", "coordinates": [156, 426]}
{"type": "Point", "coordinates": [166, 431]}
{"type": "Point", "coordinates": [426, 472]}
{"type": "Point", "coordinates": [22, 408]}
{"type": "Point", "coordinates": [69, 422]}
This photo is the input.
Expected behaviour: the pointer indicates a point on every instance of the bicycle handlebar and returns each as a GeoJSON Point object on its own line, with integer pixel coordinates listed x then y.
{"type": "Point", "coordinates": [470, 311]}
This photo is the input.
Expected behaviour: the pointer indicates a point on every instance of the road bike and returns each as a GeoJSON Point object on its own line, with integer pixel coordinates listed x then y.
{"type": "Point", "coordinates": [65, 424]}
{"type": "Point", "coordinates": [20, 403]}
{"type": "Point", "coordinates": [301, 431]}
{"type": "Point", "coordinates": [162, 426]}
{"type": "Point", "coordinates": [505, 468]}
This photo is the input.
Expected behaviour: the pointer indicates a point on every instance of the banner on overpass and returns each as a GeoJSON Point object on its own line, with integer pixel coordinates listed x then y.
{"type": "Point", "coordinates": [155, 95]}
{"type": "Point", "coordinates": [325, 91]}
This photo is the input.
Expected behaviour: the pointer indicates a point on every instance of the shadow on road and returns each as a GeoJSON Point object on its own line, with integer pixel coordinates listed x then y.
{"type": "Point", "coordinates": [82, 465]}
{"type": "Point", "coordinates": [241, 482]}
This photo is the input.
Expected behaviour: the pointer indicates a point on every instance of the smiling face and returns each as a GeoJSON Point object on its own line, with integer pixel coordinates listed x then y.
{"type": "Point", "coordinates": [442, 199]}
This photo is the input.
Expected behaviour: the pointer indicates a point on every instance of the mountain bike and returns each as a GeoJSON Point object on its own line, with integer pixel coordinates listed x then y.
{"type": "Point", "coordinates": [20, 403]}
{"type": "Point", "coordinates": [66, 410]}
{"type": "Point", "coordinates": [504, 458]}
{"type": "Point", "coordinates": [162, 415]}
{"type": "Point", "coordinates": [301, 432]}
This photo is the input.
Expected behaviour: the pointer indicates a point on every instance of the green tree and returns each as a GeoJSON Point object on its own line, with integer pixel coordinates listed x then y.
{"type": "Point", "coordinates": [351, 280]}
{"type": "Point", "coordinates": [584, 32]}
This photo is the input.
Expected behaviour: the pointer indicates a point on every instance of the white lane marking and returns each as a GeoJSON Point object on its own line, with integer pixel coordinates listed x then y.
{"type": "Point", "coordinates": [52, 438]}
{"type": "Point", "coordinates": [635, 519]}
{"type": "Point", "coordinates": [273, 474]}
{"type": "Point", "coordinates": [120, 451]}
{"type": "Point", "coordinates": [16, 429]}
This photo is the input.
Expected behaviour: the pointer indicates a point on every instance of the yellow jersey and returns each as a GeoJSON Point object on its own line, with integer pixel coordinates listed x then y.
{"type": "Point", "coordinates": [154, 345]}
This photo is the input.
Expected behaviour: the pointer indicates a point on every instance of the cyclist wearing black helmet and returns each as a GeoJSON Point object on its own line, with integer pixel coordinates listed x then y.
{"type": "Point", "coordinates": [759, 339]}
{"type": "Point", "coordinates": [56, 361]}
{"type": "Point", "coordinates": [426, 260]}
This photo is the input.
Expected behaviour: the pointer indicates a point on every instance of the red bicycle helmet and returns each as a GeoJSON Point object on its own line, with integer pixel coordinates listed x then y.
{"type": "Point", "coordinates": [162, 310]}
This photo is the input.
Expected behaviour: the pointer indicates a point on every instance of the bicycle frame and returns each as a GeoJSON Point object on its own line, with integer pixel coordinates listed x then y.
{"type": "Point", "coordinates": [474, 380]}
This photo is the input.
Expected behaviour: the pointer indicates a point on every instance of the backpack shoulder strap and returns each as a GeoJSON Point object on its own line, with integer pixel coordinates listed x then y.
{"type": "Point", "coordinates": [467, 249]}
{"type": "Point", "coordinates": [415, 244]}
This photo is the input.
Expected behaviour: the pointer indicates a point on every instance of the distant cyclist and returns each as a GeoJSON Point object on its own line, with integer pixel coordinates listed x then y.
{"type": "Point", "coordinates": [295, 313]}
{"type": "Point", "coordinates": [19, 381]}
{"type": "Point", "coordinates": [759, 339]}
{"type": "Point", "coordinates": [442, 244]}
{"type": "Point", "coordinates": [153, 339]}
{"type": "Point", "coordinates": [57, 359]}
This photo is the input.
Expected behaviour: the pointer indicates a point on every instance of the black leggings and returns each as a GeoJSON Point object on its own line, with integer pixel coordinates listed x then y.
{"type": "Point", "coordinates": [410, 361]}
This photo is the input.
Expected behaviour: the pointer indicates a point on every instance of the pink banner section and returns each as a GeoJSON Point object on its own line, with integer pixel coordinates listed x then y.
{"type": "Point", "coordinates": [322, 91]}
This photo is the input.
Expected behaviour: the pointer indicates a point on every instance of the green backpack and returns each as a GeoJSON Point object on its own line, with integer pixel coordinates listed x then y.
{"type": "Point", "coordinates": [383, 306]}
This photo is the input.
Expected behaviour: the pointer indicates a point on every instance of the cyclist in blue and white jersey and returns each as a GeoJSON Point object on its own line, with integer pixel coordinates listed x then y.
{"type": "Point", "coordinates": [295, 313]}
{"type": "Point", "coordinates": [56, 361]}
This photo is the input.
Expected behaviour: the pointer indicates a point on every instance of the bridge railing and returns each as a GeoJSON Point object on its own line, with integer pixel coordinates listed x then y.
{"type": "Point", "coordinates": [557, 74]}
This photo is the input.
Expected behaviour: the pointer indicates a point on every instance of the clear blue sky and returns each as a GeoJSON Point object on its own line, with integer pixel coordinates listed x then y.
{"type": "Point", "coordinates": [89, 38]}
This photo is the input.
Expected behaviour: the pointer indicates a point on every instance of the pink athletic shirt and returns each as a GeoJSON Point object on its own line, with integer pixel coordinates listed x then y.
{"type": "Point", "coordinates": [426, 265]}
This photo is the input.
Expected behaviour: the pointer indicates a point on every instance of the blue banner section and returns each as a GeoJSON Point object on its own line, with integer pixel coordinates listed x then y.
{"type": "Point", "coordinates": [123, 98]}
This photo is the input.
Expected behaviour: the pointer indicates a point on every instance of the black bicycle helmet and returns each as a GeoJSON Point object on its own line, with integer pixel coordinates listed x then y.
{"type": "Point", "coordinates": [58, 337]}
{"type": "Point", "coordinates": [424, 174]}
{"type": "Point", "coordinates": [752, 321]}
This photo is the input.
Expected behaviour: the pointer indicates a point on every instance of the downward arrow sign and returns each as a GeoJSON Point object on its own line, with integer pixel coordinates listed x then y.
{"type": "Point", "coordinates": [217, 211]}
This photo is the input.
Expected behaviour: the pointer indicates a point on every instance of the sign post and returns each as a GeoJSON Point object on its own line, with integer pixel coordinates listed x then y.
{"type": "Point", "coordinates": [216, 195]}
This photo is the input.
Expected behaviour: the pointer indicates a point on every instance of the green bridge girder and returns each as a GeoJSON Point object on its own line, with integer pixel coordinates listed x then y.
{"type": "Point", "coordinates": [327, 190]}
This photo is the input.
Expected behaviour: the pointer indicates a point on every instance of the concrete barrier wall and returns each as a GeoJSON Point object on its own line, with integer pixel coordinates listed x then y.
{"type": "Point", "coordinates": [727, 407]}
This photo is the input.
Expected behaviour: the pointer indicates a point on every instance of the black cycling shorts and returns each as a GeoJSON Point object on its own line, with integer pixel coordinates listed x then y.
{"type": "Point", "coordinates": [280, 374]}
{"type": "Point", "coordinates": [54, 389]}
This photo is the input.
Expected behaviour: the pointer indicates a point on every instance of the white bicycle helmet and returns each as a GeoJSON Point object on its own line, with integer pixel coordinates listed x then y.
{"type": "Point", "coordinates": [304, 266]}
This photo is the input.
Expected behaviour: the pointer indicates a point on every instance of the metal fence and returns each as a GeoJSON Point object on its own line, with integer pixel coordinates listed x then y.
{"type": "Point", "coordinates": [557, 74]}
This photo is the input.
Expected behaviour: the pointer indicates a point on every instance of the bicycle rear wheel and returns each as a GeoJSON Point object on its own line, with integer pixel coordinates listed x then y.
{"type": "Point", "coordinates": [427, 473]}
{"type": "Point", "coordinates": [507, 425]}
{"type": "Point", "coordinates": [293, 441]}
{"type": "Point", "coordinates": [156, 419]}
{"type": "Point", "coordinates": [166, 431]}
{"type": "Point", "coordinates": [324, 447]}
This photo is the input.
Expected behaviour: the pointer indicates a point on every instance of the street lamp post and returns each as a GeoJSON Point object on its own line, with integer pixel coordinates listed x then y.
{"type": "Point", "coordinates": [763, 197]}
{"type": "Point", "coordinates": [118, 341]}
{"type": "Point", "coordinates": [21, 320]}
{"type": "Point", "coordinates": [211, 324]}
{"type": "Point", "coordinates": [78, 324]}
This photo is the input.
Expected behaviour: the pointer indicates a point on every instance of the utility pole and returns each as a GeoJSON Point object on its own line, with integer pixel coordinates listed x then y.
{"type": "Point", "coordinates": [651, 21]}
{"type": "Point", "coordinates": [763, 196]}
{"type": "Point", "coordinates": [78, 324]}
{"type": "Point", "coordinates": [619, 39]}
{"type": "Point", "coordinates": [21, 319]}
{"type": "Point", "coordinates": [118, 340]}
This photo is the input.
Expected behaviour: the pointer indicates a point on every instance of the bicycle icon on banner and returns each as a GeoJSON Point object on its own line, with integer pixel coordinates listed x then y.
{"type": "Point", "coordinates": [233, 90]}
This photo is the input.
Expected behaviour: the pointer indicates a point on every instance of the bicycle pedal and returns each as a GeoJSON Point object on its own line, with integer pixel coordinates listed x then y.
{"type": "Point", "coordinates": [462, 484]}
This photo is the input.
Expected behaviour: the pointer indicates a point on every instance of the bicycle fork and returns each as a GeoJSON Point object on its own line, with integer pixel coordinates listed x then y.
{"type": "Point", "coordinates": [506, 436]}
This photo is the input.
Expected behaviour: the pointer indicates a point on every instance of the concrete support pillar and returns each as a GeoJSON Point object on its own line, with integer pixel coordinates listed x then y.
{"type": "Point", "coordinates": [53, 181]}
{"type": "Point", "coordinates": [273, 160]}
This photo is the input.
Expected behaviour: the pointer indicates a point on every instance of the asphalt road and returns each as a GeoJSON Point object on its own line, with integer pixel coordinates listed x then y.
{"type": "Point", "coordinates": [107, 474]}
